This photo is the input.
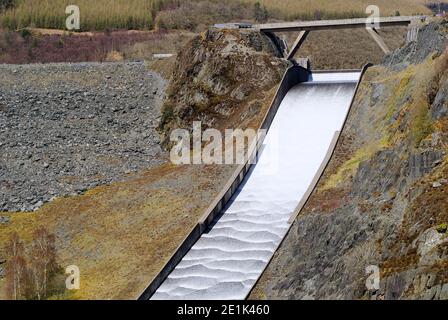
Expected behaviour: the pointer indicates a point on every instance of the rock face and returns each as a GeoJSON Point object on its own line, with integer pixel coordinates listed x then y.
{"type": "Point", "coordinates": [383, 199]}
{"type": "Point", "coordinates": [221, 77]}
{"type": "Point", "coordinates": [440, 105]}
{"type": "Point", "coordinates": [65, 128]}
{"type": "Point", "coordinates": [431, 39]}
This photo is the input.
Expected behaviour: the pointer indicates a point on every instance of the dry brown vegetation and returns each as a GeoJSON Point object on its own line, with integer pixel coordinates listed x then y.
{"type": "Point", "coordinates": [346, 49]}
{"type": "Point", "coordinates": [337, 9]}
{"type": "Point", "coordinates": [199, 15]}
{"type": "Point", "coordinates": [95, 15]}
{"type": "Point", "coordinates": [190, 14]}
{"type": "Point", "coordinates": [326, 49]}
{"type": "Point", "coordinates": [170, 42]}
{"type": "Point", "coordinates": [44, 46]}
{"type": "Point", "coordinates": [32, 270]}
{"type": "Point", "coordinates": [121, 235]}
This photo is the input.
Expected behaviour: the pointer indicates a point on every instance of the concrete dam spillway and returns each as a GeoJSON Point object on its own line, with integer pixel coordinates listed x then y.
{"type": "Point", "coordinates": [231, 255]}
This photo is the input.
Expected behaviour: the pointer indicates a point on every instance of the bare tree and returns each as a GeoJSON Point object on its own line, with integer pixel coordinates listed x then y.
{"type": "Point", "coordinates": [6, 4]}
{"type": "Point", "coordinates": [42, 262]}
{"type": "Point", "coordinates": [30, 273]}
{"type": "Point", "coordinates": [15, 267]}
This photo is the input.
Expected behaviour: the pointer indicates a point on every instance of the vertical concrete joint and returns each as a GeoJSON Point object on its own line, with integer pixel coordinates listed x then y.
{"type": "Point", "coordinates": [412, 32]}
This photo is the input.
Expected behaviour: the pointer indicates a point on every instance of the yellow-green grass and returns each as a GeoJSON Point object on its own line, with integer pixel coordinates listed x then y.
{"type": "Point", "coordinates": [406, 107]}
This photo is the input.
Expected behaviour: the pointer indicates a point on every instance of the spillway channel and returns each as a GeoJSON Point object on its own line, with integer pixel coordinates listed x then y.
{"type": "Point", "coordinates": [230, 256]}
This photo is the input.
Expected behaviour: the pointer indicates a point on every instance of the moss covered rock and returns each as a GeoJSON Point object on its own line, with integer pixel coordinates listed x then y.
{"type": "Point", "coordinates": [218, 75]}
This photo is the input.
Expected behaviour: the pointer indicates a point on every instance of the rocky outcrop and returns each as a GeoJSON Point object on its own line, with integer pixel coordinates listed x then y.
{"type": "Point", "coordinates": [222, 78]}
{"type": "Point", "coordinates": [431, 39]}
{"type": "Point", "coordinates": [382, 199]}
{"type": "Point", "coordinates": [440, 106]}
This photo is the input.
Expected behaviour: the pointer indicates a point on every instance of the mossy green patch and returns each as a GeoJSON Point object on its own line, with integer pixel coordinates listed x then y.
{"type": "Point", "coordinates": [421, 123]}
{"type": "Point", "coordinates": [167, 115]}
{"type": "Point", "coordinates": [400, 90]}
{"type": "Point", "coordinates": [442, 228]}
{"type": "Point", "coordinates": [349, 167]}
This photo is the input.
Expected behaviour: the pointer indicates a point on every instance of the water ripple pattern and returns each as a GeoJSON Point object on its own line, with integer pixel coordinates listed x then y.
{"type": "Point", "coordinates": [228, 259]}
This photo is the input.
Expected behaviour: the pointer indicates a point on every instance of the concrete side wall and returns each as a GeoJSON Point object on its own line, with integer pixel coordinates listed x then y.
{"type": "Point", "coordinates": [321, 170]}
{"type": "Point", "coordinates": [329, 154]}
{"type": "Point", "coordinates": [292, 77]}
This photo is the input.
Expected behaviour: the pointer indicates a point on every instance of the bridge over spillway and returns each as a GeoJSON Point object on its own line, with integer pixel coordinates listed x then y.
{"type": "Point", "coordinates": [305, 27]}
{"type": "Point", "coordinates": [231, 245]}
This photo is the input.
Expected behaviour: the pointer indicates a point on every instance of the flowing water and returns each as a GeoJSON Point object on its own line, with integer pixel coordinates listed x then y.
{"type": "Point", "coordinates": [228, 259]}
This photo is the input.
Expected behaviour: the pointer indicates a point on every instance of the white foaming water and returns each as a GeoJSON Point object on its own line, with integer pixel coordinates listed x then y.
{"type": "Point", "coordinates": [227, 260]}
{"type": "Point", "coordinates": [335, 77]}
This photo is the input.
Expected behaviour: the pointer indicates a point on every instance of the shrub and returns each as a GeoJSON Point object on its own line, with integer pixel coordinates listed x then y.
{"type": "Point", "coordinates": [25, 33]}
{"type": "Point", "coordinates": [59, 43]}
{"type": "Point", "coordinates": [422, 125]}
{"type": "Point", "coordinates": [442, 228]}
{"type": "Point", "coordinates": [167, 115]}
{"type": "Point", "coordinates": [260, 13]}
{"type": "Point", "coordinates": [6, 4]}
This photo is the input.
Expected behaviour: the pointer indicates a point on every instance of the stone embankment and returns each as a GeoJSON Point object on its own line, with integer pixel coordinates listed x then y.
{"type": "Point", "coordinates": [66, 128]}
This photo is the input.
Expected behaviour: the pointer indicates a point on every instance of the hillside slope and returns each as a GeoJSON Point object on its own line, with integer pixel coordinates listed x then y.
{"type": "Point", "coordinates": [121, 234]}
{"type": "Point", "coordinates": [383, 198]}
